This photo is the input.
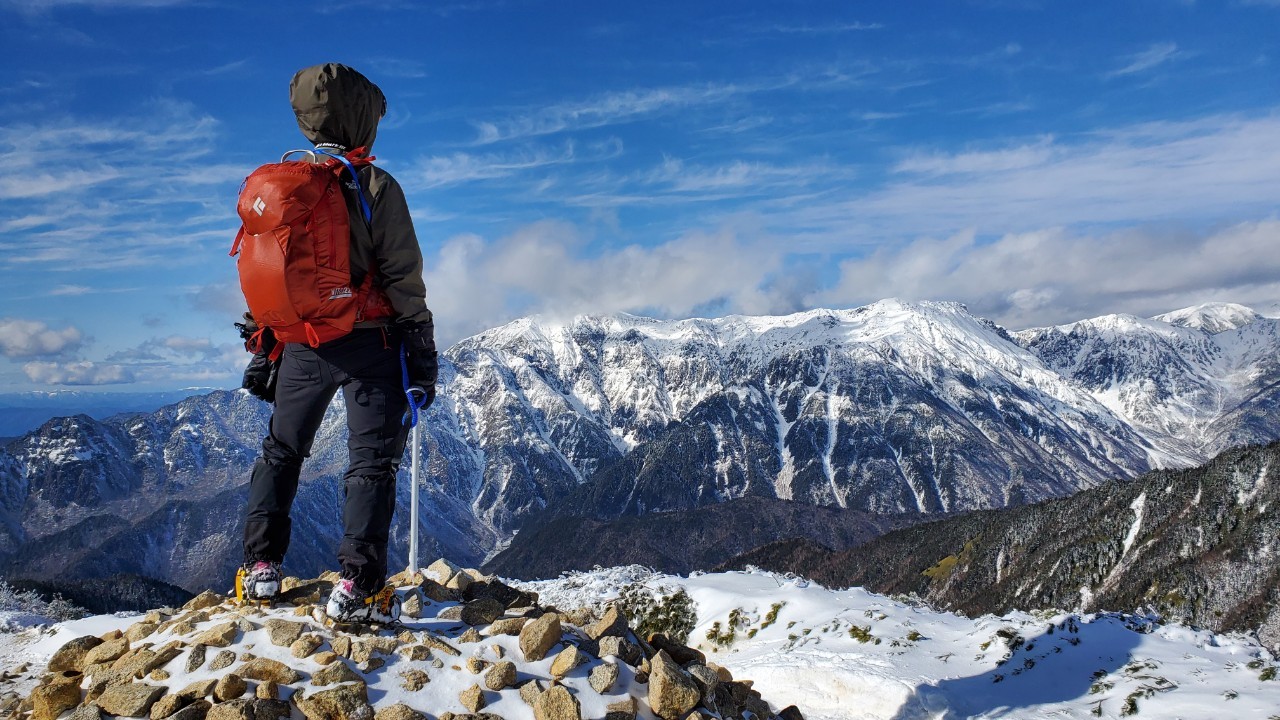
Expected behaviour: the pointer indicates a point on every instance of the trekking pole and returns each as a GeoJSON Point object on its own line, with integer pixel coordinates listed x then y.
{"type": "Point", "coordinates": [413, 505]}
{"type": "Point", "coordinates": [414, 393]}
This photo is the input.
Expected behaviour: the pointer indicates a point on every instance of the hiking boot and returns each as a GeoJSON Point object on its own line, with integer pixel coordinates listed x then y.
{"type": "Point", "coordinates": [347, 604]}
{"type": "Point", "coordinates": [258, 581]}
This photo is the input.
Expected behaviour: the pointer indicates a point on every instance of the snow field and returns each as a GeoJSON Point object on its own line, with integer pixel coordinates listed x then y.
{"type": "Point", "coordinates": [855, 655]}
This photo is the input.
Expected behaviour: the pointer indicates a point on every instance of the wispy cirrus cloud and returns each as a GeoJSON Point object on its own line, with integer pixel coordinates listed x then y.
{"type": "Point", "coordinates": [1154, 56]}
{"type": "Point", "coordinates": [602, 110]}
{"type": "Point", "coordinates": [462, 167]}
{"type": "Point", "coordinates": [824, 28]}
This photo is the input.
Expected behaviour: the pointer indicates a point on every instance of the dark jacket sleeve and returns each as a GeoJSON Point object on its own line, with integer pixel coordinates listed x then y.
{"type": "Point", "coordinates": [396, 250]}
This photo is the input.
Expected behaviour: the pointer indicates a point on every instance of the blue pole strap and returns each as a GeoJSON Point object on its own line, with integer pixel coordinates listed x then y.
{"type": "Point", "coordinates": [364, 204]}
{"type": "Point", "coordinates": [413, 393]}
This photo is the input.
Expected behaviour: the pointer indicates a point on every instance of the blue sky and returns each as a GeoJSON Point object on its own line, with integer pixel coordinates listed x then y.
{"type": "Point", "coordinates": [1039, 161]}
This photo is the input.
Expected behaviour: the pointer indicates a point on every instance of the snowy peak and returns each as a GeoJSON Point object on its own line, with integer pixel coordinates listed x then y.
{"type": "Point", "coordinates": [1213, 318]}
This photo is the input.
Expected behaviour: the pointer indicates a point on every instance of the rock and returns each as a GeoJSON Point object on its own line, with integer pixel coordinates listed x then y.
{"type": "Point", "coordinates": [603, 676]}
{"type": "Point", "coordinates": [437, 663]}
{"type": "Point", "coordinates": [721, 672]}
{"type": "Point", "coordinates": [362, 650]}
{"type": "Point", "coordinates": [131, 700]}
{"type": "Point", "coordinates": [417, 653]}
{"type": "Point", "coordinates": [270, 709]}
{"type": "Point", "coordinates": [86, 712]}
{"type": "Point", "coordinates": [305, 645]}
{"type": "Point", "coordinates": [284, 632]}
{"type": "Point", "coordinates": [222, 660]}
{"type": "Point", "coordinates": [204, 600]}
{"type": "Point", "coordinates": [475, 665]}
{"type": "Point", "coordinates": [168, 705]}
{"type": "Point", "coordinates": [498, 650]}
{"type": "Point", "coordinates": [326, 657]}
{"type": "Point", "coordinates": [406, 577]}
{"type": "Point", "coordinates": [110, 635]}
{"type": "Point", "coordinates": [414, 680]}
{"type": "Point", "coordinates": [140, 630]}
{"type": "Point", "coordinates": [482, 611]}
{"type": "Point", "coordinates": [470, 636]}
{"type": "Point", "coordinates": [49, 701]}
{"type": "Point", "coordinates": [539, 636]}
{"type": "Point", "coordinates": [442, 571]}
{"type": "Point", "coordinates": [341, 645]}
{"type": "Point", "coordinates": [459, 582]}
{"type": "Point", "coordinates": [334, 673]}
{"type": "Point", "coordinates": [620, 648]}
{"type": "Point", "coordinates": [344, 702]}
{"type": "Point", "coordinates": [624, 709]}
{"type": "Point", "coordinates": [437, 592]}
{"type": "Point", "coordinates": [198, 689]}
{"type": "Point", "coordinates": [472, 699]}
{"type": "Point", "coordinates": [566, 660]}
{"type": "Point", "coordinates": [399, 711]}
{"type": "Point", "coordinates": [612, 624]}
{"type": "Point", "coordinates": [246, 626]}
{"type": "Point", "coordinates": [790, 712]}
{"type": "Point", "coordinates": [229, 687]}
{"type": "Point", "coordinates": [159, 675]}
{"type": "Point", "coordinates": [453, 613]}
{"type": "Point", "coordinates": [503, 593]}
{"type": "Point", "coordinates": [501, 676]}
{"type": "Point", "coordinates": [218, 636]}
{"type": "Point", "coordinates": [705, 677]}
{"type": "Point", "coordinates": [506, 626]}
{"type": "Point", "coordinates": [109, 651]}
{"type": "Point", "coordinates": [240, 709]}
{"type": "Point", "coordinates": [263, 669]}
{"type": "Point", "coordinates": [267, 690]}
{"type": "Point", "coordinates": [557, 704]}
{"type": "Point", "coordinates": [436, 643]}
{"type": "Point", "coordinates": [681, 654]}
{"type": "Point", "coordinates": [530, 691]}
{"type": "Point", "coordinates": [672, 692]}
{"type": "Point", "coordinates": [411, 606]}
{"type": "Point", "coordinates": [197, 710]}
{"type": "Point", "coordinates": [371, 664]}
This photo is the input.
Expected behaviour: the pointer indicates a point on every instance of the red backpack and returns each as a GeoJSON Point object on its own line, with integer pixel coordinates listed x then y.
{"type": "Point", "coordinates": [295, 249]}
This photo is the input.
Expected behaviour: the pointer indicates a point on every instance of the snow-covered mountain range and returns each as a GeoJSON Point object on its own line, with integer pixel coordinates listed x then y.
{"type": "Point", "coordinates": [886, 408]}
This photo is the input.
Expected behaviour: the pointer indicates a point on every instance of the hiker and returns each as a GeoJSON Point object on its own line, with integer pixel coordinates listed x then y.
{"type": "Point", "coordinates": [338, 110]}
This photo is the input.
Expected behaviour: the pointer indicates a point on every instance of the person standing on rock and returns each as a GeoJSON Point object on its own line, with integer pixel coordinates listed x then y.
{"type": "Point", "coordinates": [389, 350]}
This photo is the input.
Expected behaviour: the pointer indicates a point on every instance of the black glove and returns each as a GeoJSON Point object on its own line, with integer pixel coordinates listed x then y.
{"type": "Point", "coordinates": [420, 350]}
{"type": "Point", "coordinates": [260, 376]}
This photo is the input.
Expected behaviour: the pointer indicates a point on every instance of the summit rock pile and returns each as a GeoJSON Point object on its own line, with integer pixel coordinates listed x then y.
{"type": "Point", "coordinates": [468, 646]}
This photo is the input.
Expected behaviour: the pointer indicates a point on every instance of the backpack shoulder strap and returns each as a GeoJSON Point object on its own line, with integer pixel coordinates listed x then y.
{"type": "Point", "coordinates": [351, 166]}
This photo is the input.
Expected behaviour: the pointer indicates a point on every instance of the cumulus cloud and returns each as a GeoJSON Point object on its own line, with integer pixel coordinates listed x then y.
{"type": "Point", "coordinates": [29, 338]}
{"type": "Point", "coordinates": [1055, 276]}
{"type": "Point", "coordinates": [474, 284]}
{"type": "Point", "coordinates": [77, 373]}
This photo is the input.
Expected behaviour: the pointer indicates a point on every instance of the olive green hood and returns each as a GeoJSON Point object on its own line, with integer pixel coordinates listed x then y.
{"type": "Point", "coordinates": [337, 105]}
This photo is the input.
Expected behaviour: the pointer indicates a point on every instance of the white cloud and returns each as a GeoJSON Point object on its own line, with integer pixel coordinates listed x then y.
{"type": "Point", "coordinates": [827, 29]}
{"type": "Point", "coordinates": [28, 338]}
{"type": "Point", "coordinates": [439, 171]}
{"type": "Point", "coordinates": [1157, 54]}
{"type": "Point", "coordinates": [1221, 167]}
{"type": "Point", "coordinates": [77, 373]}
{"type": "Point", "coordinates": [606, 109]}
{"type": "Point", "coordinates": [1054, 276]}
{"type": "Point", "coordinates": [473, 284]}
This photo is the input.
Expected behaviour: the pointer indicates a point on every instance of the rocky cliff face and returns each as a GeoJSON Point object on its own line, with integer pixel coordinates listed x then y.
{"type": "Point", "coordinates": [894, 407]}
{"type": "Point", "coordinates": [1196, 545]}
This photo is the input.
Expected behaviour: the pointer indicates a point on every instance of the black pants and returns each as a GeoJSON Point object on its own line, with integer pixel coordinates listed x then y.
{"type": "Point", "coordinates": [366, 365]}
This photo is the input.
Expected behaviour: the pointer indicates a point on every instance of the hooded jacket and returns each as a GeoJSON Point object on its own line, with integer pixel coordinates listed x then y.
{"type": "Point", "coordinates": [338, 108]}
